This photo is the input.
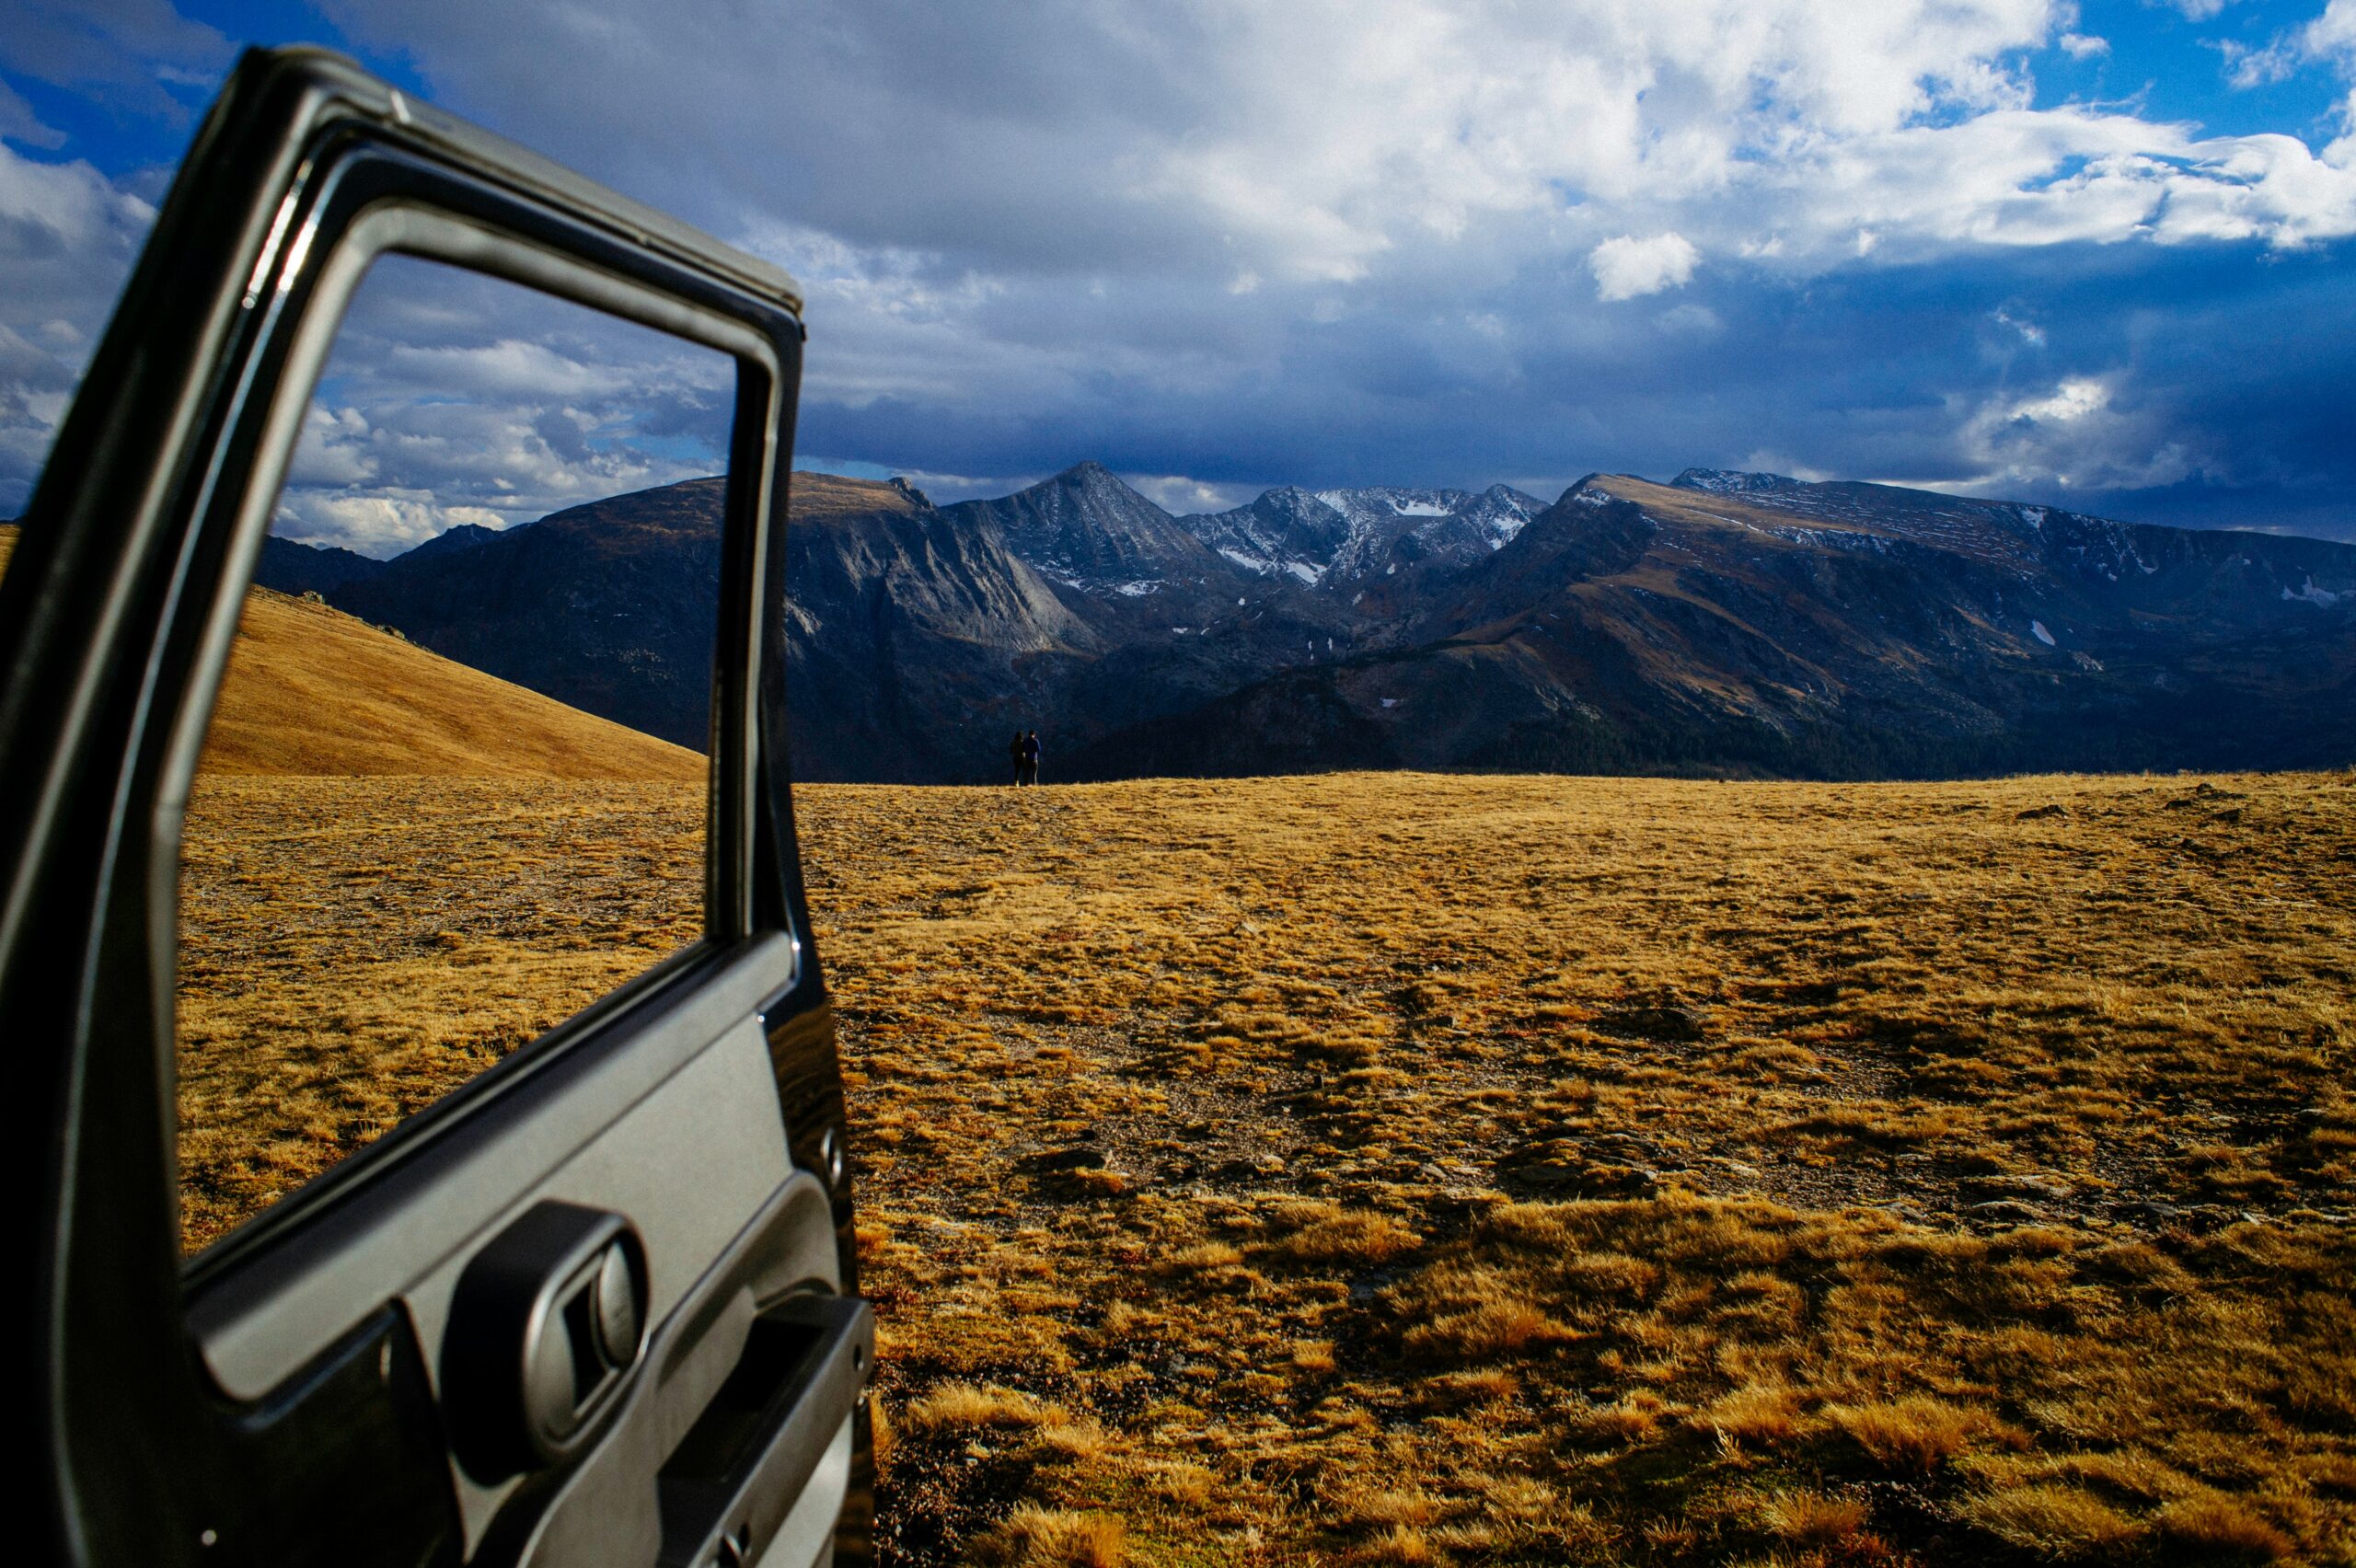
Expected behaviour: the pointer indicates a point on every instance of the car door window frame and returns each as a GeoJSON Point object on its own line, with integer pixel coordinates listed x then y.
{"type": "Point", "coordinates": [373, 201]}
{"type": "Point", "coordinates": [130, 599]}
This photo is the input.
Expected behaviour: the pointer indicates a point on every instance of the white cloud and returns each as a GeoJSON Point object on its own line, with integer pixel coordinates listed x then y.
{"type": "Point", "coordinates": [2030, 332]}
{"type": "Point", "coordinates": [1011, 225]}
{"type": "Point", "coordinates": [1765, 461]}
{"type": "Point", "coordinates": [1186, 138]}
{"type": "Point", "coordinates": [1626, 267]}
{"type": "Point", "coordinates": [2080, 435]}
{"type": "Point", "coordinates": [2070, 401]}
{"type": "Point", "coordinates": [18, 123]}
{"type": "Point", "coordinates": [2079, 46]}
{"type": "Point", "coordinates": [382, 524]}
{"type": "Point", "coordinates": [508, 367]}
{"type": "Point", "coordinates": [68, 236]}
{"type": "Point", "coordinates": [2247, 66]}
{"type": "Point", "coordinates": [2331, 38]}
{"type": "Point", "coordinates": [120, 52]}
{"type": "Point", "coordinates": [454, 398]}
{"type": "Point", "coordinates": [2334, 32]}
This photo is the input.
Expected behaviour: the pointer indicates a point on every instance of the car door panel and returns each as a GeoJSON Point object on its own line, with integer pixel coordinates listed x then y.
{"type": "Point", "coordinates": [288, 1397]}
{"type": "Point", "coordinates": [631, 1123]}
{"type": "Point", "coordinates": [620, 1493]}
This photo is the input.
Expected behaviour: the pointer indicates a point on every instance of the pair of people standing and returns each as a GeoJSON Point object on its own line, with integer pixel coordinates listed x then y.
{"type": "Point", "coordinates": [1023, 752]}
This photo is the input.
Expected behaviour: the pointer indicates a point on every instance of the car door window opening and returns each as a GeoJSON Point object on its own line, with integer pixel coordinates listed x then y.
{"type": "Point", "coordinates": [442, 804]}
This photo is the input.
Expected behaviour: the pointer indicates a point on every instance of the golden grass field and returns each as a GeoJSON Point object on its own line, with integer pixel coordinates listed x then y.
{"type": "Point", "coordinates": [1398, 1169]}
{"type": "Point", "coordinates": [353, 949]}
{"type": "Point", "coordinates": [1415, 1169]}
{"type": "Point", "coordinates": [1409, 1170]}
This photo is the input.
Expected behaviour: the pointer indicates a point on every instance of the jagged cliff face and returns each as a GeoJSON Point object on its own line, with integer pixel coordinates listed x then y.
{"type": "Point", "coordinates": [1722, 622]}
{"type": "Point", "coordinates": [1087, 531]}
{"type": "Point", "coordinates": [915, 644]}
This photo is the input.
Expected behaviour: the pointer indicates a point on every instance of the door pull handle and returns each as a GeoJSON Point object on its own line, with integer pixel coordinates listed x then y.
{"type": "Point", "coordinates": [735, 1475]}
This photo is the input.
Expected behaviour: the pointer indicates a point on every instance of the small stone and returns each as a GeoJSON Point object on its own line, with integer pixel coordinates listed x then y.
{"type": "Point", "coordinates": [2005, 1208]}
{"type": "Point", "coordinates": [1674, 1021]}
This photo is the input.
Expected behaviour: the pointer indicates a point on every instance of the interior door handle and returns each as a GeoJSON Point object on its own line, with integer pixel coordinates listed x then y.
{"type": "Point", "coordinates": [736, 1474]}
{"type": "Point", "coordinates": [546, 1325]}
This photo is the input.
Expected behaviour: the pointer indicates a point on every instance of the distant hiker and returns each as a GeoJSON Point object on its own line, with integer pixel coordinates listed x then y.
{"type": "Point", "coordinates": [1031, 757]}
{"type": "Point", "coordinates": [1014, 756]}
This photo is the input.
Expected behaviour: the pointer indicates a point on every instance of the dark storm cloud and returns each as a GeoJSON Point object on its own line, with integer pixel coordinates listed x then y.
{"type": "Point", "coordinates": [1219, 245]}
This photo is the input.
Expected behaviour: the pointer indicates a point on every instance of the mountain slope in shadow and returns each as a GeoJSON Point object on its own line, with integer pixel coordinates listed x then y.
{"type": "Point", "coordinates": [1721, 623]}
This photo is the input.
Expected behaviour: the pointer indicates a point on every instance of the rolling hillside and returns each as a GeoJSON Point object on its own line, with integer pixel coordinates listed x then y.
{"type": "Point", "coordinates": [313, 691]}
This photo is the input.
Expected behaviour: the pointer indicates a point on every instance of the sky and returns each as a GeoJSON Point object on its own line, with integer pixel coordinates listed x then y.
{"type": "Point", "coordinates": [2094, 255]}
{"type": "Point", "coordinates": [450, 397]}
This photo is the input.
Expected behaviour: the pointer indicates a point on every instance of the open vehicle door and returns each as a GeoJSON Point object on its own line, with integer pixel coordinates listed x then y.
{"type": "Point", "coordinates": [597, 1305]}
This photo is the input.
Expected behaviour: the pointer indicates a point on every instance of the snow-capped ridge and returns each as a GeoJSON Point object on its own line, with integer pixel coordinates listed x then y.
{"type": "Point", "coordinates": [1733, 481]}
{"type": "Point", "coordinates": [1329, 538]}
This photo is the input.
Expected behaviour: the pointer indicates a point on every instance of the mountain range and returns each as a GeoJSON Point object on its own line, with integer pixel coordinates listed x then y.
{"type": "Point", "coordinates": [1722, 623]}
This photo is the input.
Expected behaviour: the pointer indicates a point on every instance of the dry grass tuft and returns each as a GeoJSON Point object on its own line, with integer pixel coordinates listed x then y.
{"type": "Point", "coordinates": [2057, 1522]}
{"type": "Point", "coordinates": [1313, 1355]}
{"type": "Point", "coordinates": [1404, 1545]}
{"type": "Point", "coordinates": [1392, 1506]}
{"type": "Point", "coordinates": [1918, 1433]}
{"type": "Point", "coordinates": [1811, 1518]}
{"type": "Point", "coordinates": [2218, 1528]}
{"type": "Point", "coordinates": [969, 1404]}
{"type": "Point", "coordinates": [1353, 1237]}
{"type": "Point", "coordinates": [1492, 1329]}
{"type": "Point", "coordinates": [1758, 1414]}
{"type": "Point", "coordinates": [1032, 1537]}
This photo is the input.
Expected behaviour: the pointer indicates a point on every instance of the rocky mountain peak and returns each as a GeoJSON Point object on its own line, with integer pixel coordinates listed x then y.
{"type": "Point", "coordinates": [1087, 530]}
{"type": "Point", "coordinates": [1733, 481]}
{"type": "Point", "coordinates": [465, 536]}
{"type": "Point", "coordinates": [1332, 539]}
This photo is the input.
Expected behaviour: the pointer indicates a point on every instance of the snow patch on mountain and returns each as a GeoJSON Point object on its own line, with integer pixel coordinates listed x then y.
{"type": "Point", "coordinates": [1730, 481]}
{"type": "Point", "coordinates": [1329, 538]}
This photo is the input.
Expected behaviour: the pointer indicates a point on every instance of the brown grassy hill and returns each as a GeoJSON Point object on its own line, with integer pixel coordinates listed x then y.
{"type": "Point", "coordinates": [311, 690]}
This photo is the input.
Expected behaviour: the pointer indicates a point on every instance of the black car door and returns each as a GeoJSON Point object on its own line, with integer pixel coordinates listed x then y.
{"type": "Point", "coordinates": [597, 1305]}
